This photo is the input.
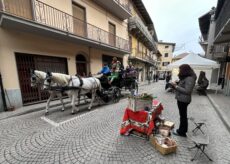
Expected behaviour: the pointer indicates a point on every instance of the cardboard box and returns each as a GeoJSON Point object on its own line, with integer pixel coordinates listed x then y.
{"type": "Point", "coordinates": [137, 104]}
{"type": "Point", "coordinates": [163, 150]}
{"type": "Point", "coordinates": [169, 124]}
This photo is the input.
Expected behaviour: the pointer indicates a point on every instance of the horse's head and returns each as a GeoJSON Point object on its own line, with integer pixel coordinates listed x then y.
{"type": "Point", "coordinates": [48, 81]}
{"type": "Point", "coordinates": [35, 77]}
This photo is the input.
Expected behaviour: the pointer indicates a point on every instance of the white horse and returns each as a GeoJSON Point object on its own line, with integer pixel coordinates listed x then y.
{"type": "Point", "coordinates": [37, 80]}
{"type": "Point", "coordinates": [74, 86]}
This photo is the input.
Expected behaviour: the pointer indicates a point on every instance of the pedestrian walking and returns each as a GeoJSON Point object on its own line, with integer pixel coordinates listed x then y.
{"type": "Point", "coordinates": [184, 89]}
{"type": "Point", "coordinates": [154, 77]}
{"type": "Point", "coordinates": [168, 77]}
{"type": "Point", "coordinates": [157, 77]}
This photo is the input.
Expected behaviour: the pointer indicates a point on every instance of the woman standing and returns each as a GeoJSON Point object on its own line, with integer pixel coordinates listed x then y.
{"type": "Point", "coordinates": [184, 96]}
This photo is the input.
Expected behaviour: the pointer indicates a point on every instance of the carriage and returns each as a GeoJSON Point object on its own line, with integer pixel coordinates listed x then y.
{"type": "Point", "coordinates": [113, 91]}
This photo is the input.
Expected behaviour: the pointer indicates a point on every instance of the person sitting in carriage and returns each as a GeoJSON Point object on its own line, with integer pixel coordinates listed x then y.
{"type": "Point", "coordinates": [130, 71]}
{"type": "Point", "coordinates": [115, 69]}
{"type": "Point", "coordinates": [105, 70]}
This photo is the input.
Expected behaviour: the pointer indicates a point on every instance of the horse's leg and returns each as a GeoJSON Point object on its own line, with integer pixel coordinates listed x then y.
{"type": "Point", "coordinates": [73, 103]}
{"type": "Point", "coordinates": [92, 99]}
{"type": "Point", "coordinates": [48, 102]}
{"type": "Point", "coordinates": [60, 98]}
{"type": "Point", "coordinates": [74, 108]}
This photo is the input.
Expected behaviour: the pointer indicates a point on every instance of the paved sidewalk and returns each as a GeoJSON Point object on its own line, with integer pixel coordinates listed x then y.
{"type": "Point", "coordinates": [221, 104]}
{"type": "Point", "coordinates": [93, 136]}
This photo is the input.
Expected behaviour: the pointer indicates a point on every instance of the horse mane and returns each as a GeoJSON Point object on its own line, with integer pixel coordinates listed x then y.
{"type": "Point", "coordinates": [40, 74]}
{"type": "Point", "coordinates": [60, 78]}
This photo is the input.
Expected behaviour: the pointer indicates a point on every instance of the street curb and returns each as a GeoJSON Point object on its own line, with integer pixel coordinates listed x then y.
{"type": "Point", "coordinates": [32, 110]}
{"type": "Point", "coordinates": [220, 113]}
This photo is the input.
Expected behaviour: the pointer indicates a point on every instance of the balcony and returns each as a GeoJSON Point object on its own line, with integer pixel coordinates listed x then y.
{"type": "Point", "coordinates": [222, 33]}
{"type": "Point", "coordinates": [220, 52]}
{"type": "Point", "coordinates": [137, 27]}
{"type": "Point", "coordinates": [41, 19]}
{"type": "Point", "coordinates": [120, 8]}
{"type": "Point", "coordinates": [142, 56]}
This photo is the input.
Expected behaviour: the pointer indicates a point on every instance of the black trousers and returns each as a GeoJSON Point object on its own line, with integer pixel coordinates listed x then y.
{"type": "Point", "coordinates": [183, 128]}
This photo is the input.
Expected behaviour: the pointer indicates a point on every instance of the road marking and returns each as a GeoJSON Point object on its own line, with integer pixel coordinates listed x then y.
{"type": "Point", "coordinates": [51, 122]}
{"type": "Point", "coordinates": [55, 124]}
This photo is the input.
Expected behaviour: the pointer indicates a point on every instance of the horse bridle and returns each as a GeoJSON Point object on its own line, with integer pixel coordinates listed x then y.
{"type": "Point", "coordinates": [48, 79]}
{"type": "Point", "coordinates": [34, 77]}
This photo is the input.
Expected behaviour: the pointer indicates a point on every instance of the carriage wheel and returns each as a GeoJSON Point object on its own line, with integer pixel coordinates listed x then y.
{"type": "Point", "coordinates": [116, 94]}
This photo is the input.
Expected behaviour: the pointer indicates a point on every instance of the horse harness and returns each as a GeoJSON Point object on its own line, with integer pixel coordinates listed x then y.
{"type": "Point", "coordinates": [66, 88]}
{"type": "Point", "coordinates": [80, 86]}
{"type": "Point", "coordinates": [35, 76]}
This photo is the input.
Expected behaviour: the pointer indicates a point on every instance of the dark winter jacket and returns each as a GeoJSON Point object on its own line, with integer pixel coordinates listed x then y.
{"type": "Point", "coordinates": [184, 89]}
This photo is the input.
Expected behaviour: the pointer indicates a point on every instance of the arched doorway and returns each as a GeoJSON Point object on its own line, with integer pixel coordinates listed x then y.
{"type": "Point", "coordinates": [81, 65]}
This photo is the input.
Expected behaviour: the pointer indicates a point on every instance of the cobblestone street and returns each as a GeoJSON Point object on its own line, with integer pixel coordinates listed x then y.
{"type": "Point", "coordinates": [93, 136]}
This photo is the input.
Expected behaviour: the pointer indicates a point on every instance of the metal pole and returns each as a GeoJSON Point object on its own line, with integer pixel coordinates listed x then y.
{"type": "Point", "coordinates": [3, 93]}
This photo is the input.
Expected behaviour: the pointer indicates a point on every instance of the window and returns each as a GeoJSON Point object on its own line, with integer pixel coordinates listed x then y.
{"type": "Point", "coordinates": [166, 46]}
{"type": "Point", "coordinates": [79, 25]}
{"type": "Point", "coordinates": [112, 34]}
{"type": "Point", "coordinates": [166, 55]}
{"type": "Point", "coordinates": [165, 63]}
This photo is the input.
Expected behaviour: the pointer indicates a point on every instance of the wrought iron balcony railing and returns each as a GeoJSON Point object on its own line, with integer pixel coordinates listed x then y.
{"type": "Point", "coordinates": [223, 17]}
{"type": "Point", "coordinates": [39, 12]}
{"type": "Point", "coordinates": [124, 3]}
{"type": "Point", "coordinates": [136, 53]}
{"type": "Point", "coordinates": [136, 23]}
{"type": "Point", "coordinates": [142, 55]}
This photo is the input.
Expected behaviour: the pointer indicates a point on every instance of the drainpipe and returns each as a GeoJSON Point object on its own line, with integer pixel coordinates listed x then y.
{"type": "Point", "coordinates": [3, 94]}
{"type": "Point", "coordinates": [89, 60]}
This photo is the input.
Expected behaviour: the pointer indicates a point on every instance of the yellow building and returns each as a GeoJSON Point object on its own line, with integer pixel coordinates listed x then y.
{"type": "Point", "coordinates": [143, 40]}
{"type": "Point", "coordinates": [68, 36]}
{"type": "Point", "coordinates": [166, 49]}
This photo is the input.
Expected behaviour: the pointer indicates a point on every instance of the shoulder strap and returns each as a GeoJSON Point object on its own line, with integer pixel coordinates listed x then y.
{"type": "Point", "coordinates": [80, 79]}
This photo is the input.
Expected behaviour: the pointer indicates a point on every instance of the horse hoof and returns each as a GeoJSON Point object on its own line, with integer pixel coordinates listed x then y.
{"type": "Point", "coordinates": [72, 113]}
{"type": "Point", "coordinates": [63, 110]}
{"type": "Point", "coordinates": [46, 113]}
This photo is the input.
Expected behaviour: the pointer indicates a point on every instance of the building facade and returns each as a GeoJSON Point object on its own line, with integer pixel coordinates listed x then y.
{"type": "Point", "coordinates": [71, 36]}
{"type": "Point", "coordinates": [166, 49]}
{"type": "Point", "coordinates": [143, 40]}
{"type": "Point", "coordinates": [215, 30]}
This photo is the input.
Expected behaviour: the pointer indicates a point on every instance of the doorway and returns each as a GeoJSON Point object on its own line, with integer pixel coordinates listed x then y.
{"type": "Point", "coordinates": [81, 65]}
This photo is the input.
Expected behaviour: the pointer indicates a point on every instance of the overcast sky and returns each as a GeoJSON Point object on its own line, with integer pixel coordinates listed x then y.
{"type": "Point", "coordinates": [177, 21]}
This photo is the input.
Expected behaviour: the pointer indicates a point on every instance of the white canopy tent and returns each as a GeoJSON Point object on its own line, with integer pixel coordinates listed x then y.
{"type": "Point", "coordinates": [198, 63]}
